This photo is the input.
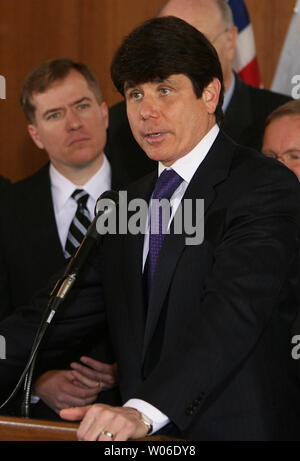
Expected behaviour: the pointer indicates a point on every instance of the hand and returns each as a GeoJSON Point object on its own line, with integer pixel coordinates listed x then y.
{"type": "Point", "coordinates": [103, 373]}
{"type": "Point", "coordinates": [58, 389]}
{"type": "Point", "coordinates": [123, 423]}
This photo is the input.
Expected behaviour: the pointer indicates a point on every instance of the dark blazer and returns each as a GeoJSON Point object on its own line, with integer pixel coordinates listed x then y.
{"type": "Point", "coordinates": [213, 349]}
{"type": "Point", "coordinates": [215, 352]}
{"type": "Point", "coordinates": [30, 249]}
{"type": "Point", "coordinates": [246, 114]}
{"type": "Point", "coordinates": [244, 121]}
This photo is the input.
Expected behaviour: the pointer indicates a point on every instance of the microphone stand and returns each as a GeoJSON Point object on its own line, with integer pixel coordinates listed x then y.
{"type": "Point", "coordinates": [38, 338]}
{"type": "Point", "coordinates": [60, 291]}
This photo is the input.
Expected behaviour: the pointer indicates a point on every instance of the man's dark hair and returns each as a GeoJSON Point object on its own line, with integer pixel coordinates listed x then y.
{"type": "Point", "coordinates": [164, 46]}
{"type": "Point", "coordinates": [43, 76]}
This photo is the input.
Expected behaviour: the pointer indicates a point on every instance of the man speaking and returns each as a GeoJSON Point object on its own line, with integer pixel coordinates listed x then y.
{"type": "Point", "coordinates": [201, 333]}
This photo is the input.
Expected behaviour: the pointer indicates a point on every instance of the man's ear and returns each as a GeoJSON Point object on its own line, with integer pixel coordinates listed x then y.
{"type": "Point", "coordinates": [232, 35]}
{"type": "Point", "coordinates": [211, 94]}
{"type": "Point", "coordinates": [104, 110]}
{"type": "Point", "coordinates": [35, 136]}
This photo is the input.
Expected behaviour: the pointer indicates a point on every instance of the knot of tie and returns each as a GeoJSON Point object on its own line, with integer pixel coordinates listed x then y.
{"type": "Point", "coordinates": [166, 184]}
{"type": "Point", "coordinates": [81, 197]}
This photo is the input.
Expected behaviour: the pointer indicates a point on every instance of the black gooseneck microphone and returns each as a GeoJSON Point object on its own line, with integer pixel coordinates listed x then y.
{"type": "Point", "coordinates": [106, 205]}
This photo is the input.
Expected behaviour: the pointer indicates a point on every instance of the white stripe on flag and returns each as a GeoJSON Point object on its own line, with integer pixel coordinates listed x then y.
{"type": "Point", "coordinates": [246, 44]}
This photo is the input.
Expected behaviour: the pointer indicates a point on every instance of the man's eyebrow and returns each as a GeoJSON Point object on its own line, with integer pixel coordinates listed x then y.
{"type": "Point", "coordinates": [129, 85]}
{"type": "Point", "coordinates": [55, 109]}
{"type": "Point", "coordinates": [270, 151]}
{"type": "Point", "coordinates": [50, 111]}
{"type": "Point", "coordinates": [292, 149]}
{"type": "Point", "coordinates": [85, 98]}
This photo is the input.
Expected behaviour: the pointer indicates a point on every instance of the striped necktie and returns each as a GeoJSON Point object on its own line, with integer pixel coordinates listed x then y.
{"type": "Point", "coordinates": [80, 223]}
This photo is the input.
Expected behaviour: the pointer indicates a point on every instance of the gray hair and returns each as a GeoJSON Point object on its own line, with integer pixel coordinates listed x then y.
{"type": "Point", "coordinates": [226, 12]}
{"type": "Point", "coordinates": [224, 8]}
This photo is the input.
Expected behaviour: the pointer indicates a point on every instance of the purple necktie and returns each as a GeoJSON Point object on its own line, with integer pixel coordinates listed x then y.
{"type": "Point", "coordinates": [165, 187]}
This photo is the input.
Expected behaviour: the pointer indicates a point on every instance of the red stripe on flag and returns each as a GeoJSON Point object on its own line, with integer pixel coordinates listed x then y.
{"type": "Point", "coordinates": [250, 73]}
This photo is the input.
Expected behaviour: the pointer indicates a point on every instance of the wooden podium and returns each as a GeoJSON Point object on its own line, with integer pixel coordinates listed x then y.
{"type": "Point", "coordinates": [22, 429]}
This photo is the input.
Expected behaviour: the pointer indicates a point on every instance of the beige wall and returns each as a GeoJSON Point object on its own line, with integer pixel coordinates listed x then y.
{"type": "Point", "coordinates": [32, 31]}
{"type": "Point", "coordinates": [270, 20]}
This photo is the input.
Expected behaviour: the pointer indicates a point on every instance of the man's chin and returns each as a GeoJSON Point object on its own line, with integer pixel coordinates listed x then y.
{"type": "Point", "coordinates": [155, 154]}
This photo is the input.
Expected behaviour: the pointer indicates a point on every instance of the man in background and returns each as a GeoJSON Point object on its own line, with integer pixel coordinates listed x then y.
{"type": "Point", "coordinates": [282, 142]}
{"type": "Point", "coordinates": [45, 216]}
{"type": "Point", "coordinates": [245, 107]}
{"type": "Point", "coordinates": [282, 136]}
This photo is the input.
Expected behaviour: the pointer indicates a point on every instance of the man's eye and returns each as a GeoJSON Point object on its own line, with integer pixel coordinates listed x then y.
{"type": "Point", "coordinates": [53, 116]}
{"type": "Point", "coordinates": [165, 91]}
{"type": "Point", "coordinates": [83, 106]}
{"type": "Point", "coordinates": [136, 95]}
{"type": "Point", "coordinates": [295, 155]}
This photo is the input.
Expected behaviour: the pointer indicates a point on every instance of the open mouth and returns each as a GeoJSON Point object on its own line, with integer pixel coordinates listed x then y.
{"type": "Point", "coordinates": [154, 135]}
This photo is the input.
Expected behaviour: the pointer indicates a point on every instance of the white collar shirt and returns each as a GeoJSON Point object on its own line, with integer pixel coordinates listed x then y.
{"type": "Point", "coordinates": [65, 207]}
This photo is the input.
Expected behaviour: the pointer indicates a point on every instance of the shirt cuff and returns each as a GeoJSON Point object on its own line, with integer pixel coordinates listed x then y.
{"type": "Point", "coordinates": [159, 419]}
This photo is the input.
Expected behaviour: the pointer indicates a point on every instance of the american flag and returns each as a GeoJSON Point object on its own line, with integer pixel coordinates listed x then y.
{"type": "Point", "coordinates": [287, 75]}
{"type": "Point", "coordinates": [245, 62]}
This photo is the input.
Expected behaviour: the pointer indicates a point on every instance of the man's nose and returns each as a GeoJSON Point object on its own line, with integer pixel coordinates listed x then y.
{"type": "Point", "coordinates": [73, 120]}
{"type": "Point", "coordinates": [149, 108]}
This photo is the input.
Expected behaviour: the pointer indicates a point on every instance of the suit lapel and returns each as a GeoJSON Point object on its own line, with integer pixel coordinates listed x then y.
{"type": "Point", "coordinates": [213, 170]}
{"type": "Point", "coordinates": [41, 215]}
{"type": "Point", "coordinates": [49, 232]}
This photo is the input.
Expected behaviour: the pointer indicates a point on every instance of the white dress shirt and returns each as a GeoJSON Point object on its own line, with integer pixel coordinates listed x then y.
{"type": "Point", "coordinates": [186, 168]}
{"type": "Point", "coordinates": [65, 206]}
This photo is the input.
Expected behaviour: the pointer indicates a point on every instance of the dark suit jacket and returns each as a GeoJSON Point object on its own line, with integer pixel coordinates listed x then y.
{"type": "Point", "coordinates": [244, 121]}
{"type": "Point", "coordinates": [215, 355]}
{"type": "Point", "coordinates": [30, 249]}
{"type": "Point", "coordinates": [246, 114]}
{"type": "Point", "coordinates": [214, 351]}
